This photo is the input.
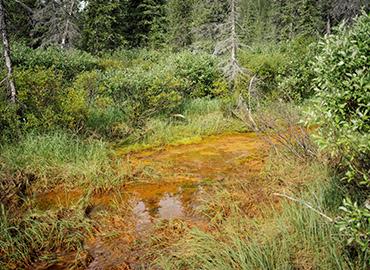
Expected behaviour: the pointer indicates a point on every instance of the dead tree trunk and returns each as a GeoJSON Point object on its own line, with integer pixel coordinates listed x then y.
{"type": "Point", "coordinates": [6, 49]}
{"type": "Point", "coordinates": [234, 38]}
{"type": "Point", "coordinates": [65, 33]}
{"type": "Point", "coordinates": [328, 26]}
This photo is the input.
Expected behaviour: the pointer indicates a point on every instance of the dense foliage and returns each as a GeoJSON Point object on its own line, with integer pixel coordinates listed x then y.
{"type": "Point", "coordinates": [342, 87]}
{"type": "Point", "coordinates": [343, 97]}
{"type": "Point", "coordinates": [73, 89]}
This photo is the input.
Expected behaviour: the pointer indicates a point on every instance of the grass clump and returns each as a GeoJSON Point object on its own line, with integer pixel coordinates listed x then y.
{"type": "Point", "coordinates": [41, 238]}
{"type": "Point", "coordinates": [297, 238]}
{"type": "Point", "coordinates": [59, 158]}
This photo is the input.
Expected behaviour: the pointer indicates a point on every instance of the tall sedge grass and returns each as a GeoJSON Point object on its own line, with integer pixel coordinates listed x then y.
{"type": "Point", "coordinates": [59, 158]}
{"type": "Point", "coordinates": [293, 238]}
{"type": "Point", "coordinates": [42, 236]}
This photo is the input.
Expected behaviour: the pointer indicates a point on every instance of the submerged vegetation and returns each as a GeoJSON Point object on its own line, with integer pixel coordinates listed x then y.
{"type": "Point", "coordinates": [184, 134]}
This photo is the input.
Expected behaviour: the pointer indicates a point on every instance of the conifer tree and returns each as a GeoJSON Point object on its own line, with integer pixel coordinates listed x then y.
{"type": "Point", "coordinates": [298, 17]}
{"type": "Point", "coordinates": [20, 18]}
{"type": "Point", "coordinates": [180, 22]}
{"type": "Point", "coordinates": [57, 22]}
{"type": "Point", "coordinates": [256, 19]}
{"type": "Point", "coordinates": [141, 16]}
{"type": "Point", "coordinates": [103, 25]}
{"type": "Point", "coordinates": [208, 17]}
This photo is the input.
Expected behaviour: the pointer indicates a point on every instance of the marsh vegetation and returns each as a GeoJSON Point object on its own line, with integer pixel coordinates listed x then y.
{"type": "Point", "coordinates": [184, 134]}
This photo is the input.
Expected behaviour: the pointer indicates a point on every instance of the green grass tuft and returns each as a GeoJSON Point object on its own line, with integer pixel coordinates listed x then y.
{"type": "Point", "coordinates": [60, 158]}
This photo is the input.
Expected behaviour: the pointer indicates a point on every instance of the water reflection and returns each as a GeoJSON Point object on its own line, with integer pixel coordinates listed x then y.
{"type": "Point", "coordinates": [166, 205]}
{"type": "Point", "coordinates": [143, 218]}
{"type": "Point", "coordinates": [170, 207]}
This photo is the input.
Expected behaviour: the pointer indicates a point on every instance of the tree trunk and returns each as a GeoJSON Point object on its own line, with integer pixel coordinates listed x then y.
{"type": "Point", "coordinates": [6, 48]}
{"type": "Point", "coordinates": [234, 41]}
{"type": "Point", "coordinates": [64, 37]}
{"type": "Point", "coordinates": [328, 26]}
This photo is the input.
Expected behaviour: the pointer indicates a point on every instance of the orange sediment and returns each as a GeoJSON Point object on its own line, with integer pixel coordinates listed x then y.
{"type": "Point", "coordinates": [167, 185]}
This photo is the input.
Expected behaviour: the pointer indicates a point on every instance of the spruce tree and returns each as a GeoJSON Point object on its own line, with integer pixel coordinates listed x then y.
{"type": "Point", "coordinates": [140, 21]}
{"type": "Point", "coordinates": [208, 17]}
{"type": "Point", "coordinates": [180, 22]}
{"type": "Point", "coordinates": [297, 17]}
{"type": "Point", "coordinates": [103, 25]}
{"type": "Point", "coordinates": [19, 16]}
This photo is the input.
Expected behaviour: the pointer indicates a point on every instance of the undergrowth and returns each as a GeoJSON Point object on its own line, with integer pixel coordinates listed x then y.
{"type": "Point", "coordinates": [201, 117]}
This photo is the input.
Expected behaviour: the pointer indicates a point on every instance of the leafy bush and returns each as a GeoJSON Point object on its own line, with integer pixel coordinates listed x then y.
{"type": "Point", "coordinates": [44, 102]}
{"type": "Point", "coordinates": [342, 112]}
{"type": "Point", "coordinates": [295, 81]}
{"type": "Point", "coordinates": [70, 62]}
{"type": "Point", "coordinates": [9, 122]}
{"type": "Point", "coordinates": [39, 95]}
{"type": "Point", "coordinates": [266, 65]}
{"type": "Point", "coordinates": [355, 224]}
{"type": "Point", "coordinates": [108, 97]}
{"type": "Point", "coordinates": [342, 99]}
{"type": "Point", "coordinates": [141, 93]}
{"type": "Point", "coordinates": [200, 73]}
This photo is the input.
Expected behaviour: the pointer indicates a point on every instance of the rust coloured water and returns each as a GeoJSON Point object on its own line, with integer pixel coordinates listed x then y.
{"type": "Point", "coordinates": [168, 183]}
{"type": "Point", "coordinates": [179, 172]}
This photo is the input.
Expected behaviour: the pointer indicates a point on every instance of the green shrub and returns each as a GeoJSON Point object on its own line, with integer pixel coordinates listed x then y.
{"type": "Point", "coordinates": [39, 95]}
{"type": "Point", "coordinates": [44, 102]}
{"type": "Point", "coordinates": [266, 65]}
{"type": "Point", "coordinates": [150, 89]}
{"type": "Point", "coordinates": [342, 112]}
{"type": "Point", "coordinates": [295, 81]}
{"type": "Point", "coordinates": [342, 99]}
{"type": "Point", "coordinates": [131, 87]}
{"type": "Point", "coordinates": [69, 62]}
{"type": "Point", "coordinates": [200, 74]}
{"type": "Point", "coordinates": [9, 122]}
{"type": "Point", "coordinates": [141, 93]}
{"type": "Point", "coordinates": [355, 224]}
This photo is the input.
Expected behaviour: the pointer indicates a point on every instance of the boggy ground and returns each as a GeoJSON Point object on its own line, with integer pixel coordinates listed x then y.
{"type": "Point", "coordinates": [168, 187]}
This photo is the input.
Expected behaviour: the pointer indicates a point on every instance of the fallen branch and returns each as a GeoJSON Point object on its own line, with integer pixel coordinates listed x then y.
{"type": "Point", "coordinates": [305, 204]}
